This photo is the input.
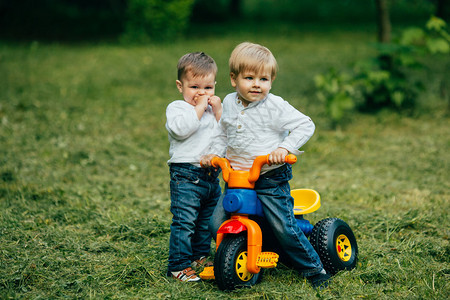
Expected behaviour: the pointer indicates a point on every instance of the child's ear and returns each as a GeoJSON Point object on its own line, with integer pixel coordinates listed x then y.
{"type": "Point", "coordinates": [233, 79]}
{"type": "Point", "coordinates": [179, 86]}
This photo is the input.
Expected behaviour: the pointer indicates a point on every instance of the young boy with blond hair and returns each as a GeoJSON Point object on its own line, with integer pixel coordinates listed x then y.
{"type": "Point", "coordinates": [255, 122]}
{"type": "Point", "coordinates": [194, 191]}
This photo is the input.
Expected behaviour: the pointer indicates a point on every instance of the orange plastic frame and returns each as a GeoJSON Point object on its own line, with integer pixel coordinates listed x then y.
{"type": "Point", "coordinates": [244, 180]}
{"type": "Point", "coordinates": [254, 238]}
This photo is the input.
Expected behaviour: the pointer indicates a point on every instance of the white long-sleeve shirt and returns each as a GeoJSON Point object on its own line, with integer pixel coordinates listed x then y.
{"type": "Point", "coordinates": [259, 129]}
{"type": "Point", "coordinates": [189, 137]}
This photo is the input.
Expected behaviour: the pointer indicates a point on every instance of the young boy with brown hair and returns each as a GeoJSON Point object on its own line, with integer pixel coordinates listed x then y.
{"type": "Point", "coordinates": [194, 191]}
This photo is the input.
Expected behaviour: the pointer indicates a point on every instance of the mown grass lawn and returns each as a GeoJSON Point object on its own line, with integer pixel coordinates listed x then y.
{"type": "Point", "coordinates": [84, 194]}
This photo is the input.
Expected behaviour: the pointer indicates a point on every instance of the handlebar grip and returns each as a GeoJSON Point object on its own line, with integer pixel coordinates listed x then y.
{"type": "Point", "coordinates": [290, 159]}
{"type": "Point", "coordinates": [215, 161]}
{"type": "Point", "coordinates": [224, 164]}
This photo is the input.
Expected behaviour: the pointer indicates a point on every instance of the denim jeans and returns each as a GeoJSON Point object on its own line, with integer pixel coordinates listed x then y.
{"type": "Point", "coordinates": [194, 193]}
{"type": "Point", "coordinates": [273, 190]}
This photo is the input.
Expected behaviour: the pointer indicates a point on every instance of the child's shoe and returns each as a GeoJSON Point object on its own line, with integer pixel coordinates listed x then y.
{"type": "Point", "coordinates": [202, 262]}
{"type": "Point", "coordinates": [319, 281]}
{"type": "Point", "coordinates": [187, 275]}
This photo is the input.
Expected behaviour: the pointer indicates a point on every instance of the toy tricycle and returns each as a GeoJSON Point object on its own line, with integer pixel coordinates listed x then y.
{"type": "Point", "coordinates": [239, 258]}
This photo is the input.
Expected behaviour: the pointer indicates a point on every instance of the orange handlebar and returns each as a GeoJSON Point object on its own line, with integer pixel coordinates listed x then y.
{"type": "Point", "coordinates": [290, 159]}
{"type": "Point", "coordinates": [254, 171]}
{"type": "Point", "coordinates": [224, 164]}
{"type": "Point", "coordinates": [261, 161]}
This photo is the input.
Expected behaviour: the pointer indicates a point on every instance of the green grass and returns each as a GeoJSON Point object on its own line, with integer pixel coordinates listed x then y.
{"type": "Point", "coordinates": [84, 195]}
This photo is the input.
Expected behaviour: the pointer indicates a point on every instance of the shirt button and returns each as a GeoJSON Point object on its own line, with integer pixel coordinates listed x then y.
{"type": "Point", "coordinates": [242, 112]}
{"type": "Point", "coordinates": [239, 126]}
{"type": "Point", "coordinates": [239, 102]}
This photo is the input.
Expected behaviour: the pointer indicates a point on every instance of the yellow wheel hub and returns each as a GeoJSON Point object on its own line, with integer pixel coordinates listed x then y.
{"type": "Point", "coordinates": [241, 267]}
{"type": "Point", "coordinates": [344, 247]}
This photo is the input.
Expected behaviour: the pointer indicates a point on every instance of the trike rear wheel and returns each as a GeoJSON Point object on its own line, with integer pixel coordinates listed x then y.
{"type": "Point", "coordinates": [230, 264]}
{"type": "Point", "coordinates": [336, 245]}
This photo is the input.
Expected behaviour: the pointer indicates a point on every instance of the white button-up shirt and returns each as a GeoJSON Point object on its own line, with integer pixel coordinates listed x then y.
{"type": "Point", "coordinates": [259, 129]}
{"type": "Point", "coordinates": [189, 137]}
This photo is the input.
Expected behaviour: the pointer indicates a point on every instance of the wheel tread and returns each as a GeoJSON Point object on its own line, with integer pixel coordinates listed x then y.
{"type": "Point", "coordinates": [224, 263]}
{"type": "Point", "coordinates": [320, 240]}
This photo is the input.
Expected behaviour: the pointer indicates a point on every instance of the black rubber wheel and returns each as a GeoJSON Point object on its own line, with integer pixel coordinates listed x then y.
{"type": "Point", "coordinates": [336, 245]}
{"type": "Point", "coordinates": [230, 264]}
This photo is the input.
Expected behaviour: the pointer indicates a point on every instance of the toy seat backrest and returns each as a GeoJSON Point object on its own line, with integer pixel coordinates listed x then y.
{"type": "Point", "coordinates": [305, 201]}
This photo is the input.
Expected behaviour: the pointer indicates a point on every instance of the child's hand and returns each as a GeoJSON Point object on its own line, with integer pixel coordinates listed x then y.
{"type": "Point", "coordinates": [205, 160]}
{"type": "Point", "coordinates": [216, 106]}
{"type": "Point", "coordinates": [277, 156]}
{"type": "Point", "coordinates": [200, 103]}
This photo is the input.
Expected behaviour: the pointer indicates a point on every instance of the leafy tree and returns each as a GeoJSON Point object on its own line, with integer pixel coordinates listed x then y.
{"type": "Point", "coordinates": [61, 19]}
{"type": "Point", "coordinates": [156, 19]}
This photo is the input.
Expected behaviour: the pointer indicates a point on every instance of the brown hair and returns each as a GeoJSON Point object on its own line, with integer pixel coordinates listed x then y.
{"type": "Point", "coordinates": [252, 57]}
{"type": "Point", "coordinates": [198, 63]}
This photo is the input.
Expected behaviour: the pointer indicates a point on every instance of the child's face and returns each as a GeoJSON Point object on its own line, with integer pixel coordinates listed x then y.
{"type": "Point", "coordinates": [251, 86]}
{"type": "Point", "coordinates": [194, 86]}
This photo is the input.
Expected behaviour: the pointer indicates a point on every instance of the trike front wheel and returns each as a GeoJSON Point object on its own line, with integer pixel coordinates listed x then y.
{"type": "Point", "coordinates": [230, 264]}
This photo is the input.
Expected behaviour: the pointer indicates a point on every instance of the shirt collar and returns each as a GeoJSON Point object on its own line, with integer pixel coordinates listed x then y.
{"type": "Point", "coordinates": [252, 104]}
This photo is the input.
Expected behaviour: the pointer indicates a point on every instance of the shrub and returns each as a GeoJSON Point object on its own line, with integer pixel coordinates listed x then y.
{"type": "Point", "coordinates": [383, 81]}
{"type": "Point", "coordinates": [336, 90]}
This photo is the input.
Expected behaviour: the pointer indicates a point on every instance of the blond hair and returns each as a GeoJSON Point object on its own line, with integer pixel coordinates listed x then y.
{"type": "Point", "coordinates": [196, 63]}
{"type": "Point", "coordinates": [252, 57]}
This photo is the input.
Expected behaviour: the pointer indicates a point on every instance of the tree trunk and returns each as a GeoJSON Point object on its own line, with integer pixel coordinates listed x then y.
{"type": "Point", "coordinates": [383, 21]}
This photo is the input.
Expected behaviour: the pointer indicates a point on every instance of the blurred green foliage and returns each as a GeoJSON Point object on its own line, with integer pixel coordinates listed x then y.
{"type": "Point", "coordinates": [336, 90]}
{"type": "Point", "coordinates": [156, 19]}
{"type": "Point", "coordinates": [152, 19]}
{"type": "Point", "coordinates": [384, 80]}
{"type": "Point", "coordinates": [61, 19]}
{"type": "Point", "coordinates": [331, 11]}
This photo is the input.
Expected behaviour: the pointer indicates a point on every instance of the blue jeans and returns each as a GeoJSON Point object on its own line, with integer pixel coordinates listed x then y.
{"type": "Point", "coordinates": [194, 193]}
{"type": "Point", "coordinates": [273, 190]}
